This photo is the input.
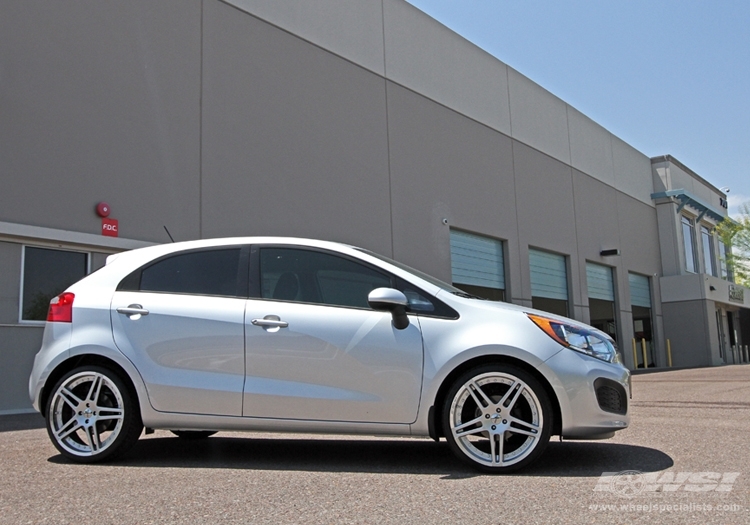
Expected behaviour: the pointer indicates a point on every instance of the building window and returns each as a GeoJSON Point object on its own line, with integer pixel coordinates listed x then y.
{"type": "Point", "coordinates": [46, 274]}
{"type": "Point", "coordinates": [549, 282]}
{"type": "Point", "coordinates": [688, 237]}
{"type": "Point", "coordinates": [601, 289]}
{"type": "Point", "coordinates": [709, 260]}
{"type": "Point", "coordinates": [477, 265]}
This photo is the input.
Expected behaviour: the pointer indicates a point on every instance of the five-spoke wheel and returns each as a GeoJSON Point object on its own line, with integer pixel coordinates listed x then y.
{"type": "Point", "coordinates": [497, 418]}
{"type": "Point", "coordinates": [91, 416]}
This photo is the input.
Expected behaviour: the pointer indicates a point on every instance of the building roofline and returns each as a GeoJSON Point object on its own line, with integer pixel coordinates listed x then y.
{"type": "Point", "coordinates": [670, 158]}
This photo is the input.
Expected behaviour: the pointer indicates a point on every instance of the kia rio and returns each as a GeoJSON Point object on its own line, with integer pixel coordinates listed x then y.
{"type": "Point", "coordinates": [296, 335]}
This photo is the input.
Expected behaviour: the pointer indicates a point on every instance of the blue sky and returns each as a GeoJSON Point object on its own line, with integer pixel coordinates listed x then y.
{"type": "Point", "coordinates": [666, 76]}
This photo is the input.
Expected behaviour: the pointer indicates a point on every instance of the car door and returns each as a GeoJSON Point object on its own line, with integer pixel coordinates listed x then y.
{"type": "Point", "coordinates": [315, 350]}
{"type": "Point", "coordinates": [180, 320]}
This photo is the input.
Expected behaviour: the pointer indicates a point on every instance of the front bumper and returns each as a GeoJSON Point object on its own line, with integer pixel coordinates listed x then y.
{"type": "Point", "coordinates": [593, 395]}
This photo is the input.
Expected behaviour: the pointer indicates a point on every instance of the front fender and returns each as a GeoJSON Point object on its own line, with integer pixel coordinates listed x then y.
{"type": "Point", "coordinates": [436, 376]}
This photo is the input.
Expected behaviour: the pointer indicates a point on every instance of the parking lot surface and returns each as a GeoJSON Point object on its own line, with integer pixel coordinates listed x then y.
{"type": "Point", "coordinates": [685, 459]}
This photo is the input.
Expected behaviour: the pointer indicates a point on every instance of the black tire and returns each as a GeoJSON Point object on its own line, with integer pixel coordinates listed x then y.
{"type": "Point", "coordinates": [92, 415]}
{"type": "Point", "coordinates": [493, 406]}
{"type": "Point", "coordinates": [193, 434]}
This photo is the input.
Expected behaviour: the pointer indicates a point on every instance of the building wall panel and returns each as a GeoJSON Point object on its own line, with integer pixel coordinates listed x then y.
{"type": "Point", "coordinates": [294, 137]}
{"type": "Point", "coordinates": [100, 101]}
{"type": "Point", "coordinates": [18, 346]}
{"type": "Point", "coordinates": [445, 165]}
{"type": "Point", "coordinates": [538, 118]}
{"type": "Point", "coordinates": [353, 30]}
{"type": "Point", "coordinates": [590, 147]}
{"type": "Point", "coordinates": [687, 326]}
{"type": "Point", "coordinates": [429, 58]}
{"type": "Point", "coordinates": [545, 216]}
{"type": "Point", "coordinates": [632, 171]}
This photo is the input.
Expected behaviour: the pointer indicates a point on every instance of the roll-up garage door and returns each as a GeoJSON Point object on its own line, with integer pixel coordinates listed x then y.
{"type": "Point", "coordinates": [477, 260]}
{"type": "Point", "coordinates": [600, 283]}
{"type": "Point", "coordinates": [549, 277]}
{"type": "Point", "coordinates": [640, 291]}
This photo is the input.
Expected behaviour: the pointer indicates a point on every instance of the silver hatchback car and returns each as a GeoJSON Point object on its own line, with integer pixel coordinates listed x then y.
{"type": "Point", "coordinates": [297, 335]}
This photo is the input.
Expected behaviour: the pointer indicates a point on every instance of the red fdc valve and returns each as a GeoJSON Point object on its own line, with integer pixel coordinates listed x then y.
{"type": "Point", "coordinates": [103, 209]}
{"type": "Point", "coordinates": [110, 227]}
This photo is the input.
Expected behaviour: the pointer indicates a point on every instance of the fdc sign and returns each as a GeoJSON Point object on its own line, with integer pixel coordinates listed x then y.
{"type": "Point", "coordinates": [110, 227]}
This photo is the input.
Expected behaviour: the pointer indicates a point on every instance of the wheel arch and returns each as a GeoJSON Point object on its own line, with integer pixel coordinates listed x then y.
{"type": "Point", "coordinates": [83, 360]}
{"type": "Point", "coordinates": [436, 411]}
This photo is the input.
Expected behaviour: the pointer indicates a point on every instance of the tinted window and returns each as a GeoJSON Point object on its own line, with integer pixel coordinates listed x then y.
{"type": "Point", "coordinates": [47, 273]}
{"type": "Point", "coordinates": [420, 302]}
{"type": "Point", "coordinates": [688, 237]}
{"type": "Point", "coordinates": [209, 272]}
{"type": "Point", "coordinates": [308, 276]}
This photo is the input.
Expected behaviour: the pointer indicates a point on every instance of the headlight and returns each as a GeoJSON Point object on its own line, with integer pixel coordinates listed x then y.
{"type": "Point", "coordinates": [578, 338]}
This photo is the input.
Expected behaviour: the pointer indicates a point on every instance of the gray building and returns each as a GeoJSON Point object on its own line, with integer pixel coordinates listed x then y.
{"type": "Point", "coordinates": [365, 122]}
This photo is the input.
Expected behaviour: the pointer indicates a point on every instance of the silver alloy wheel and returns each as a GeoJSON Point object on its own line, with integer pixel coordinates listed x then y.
{"type": "Point", "coordinates": [86, 415]}
{"type": "Point", "coordinates": [496, 419]}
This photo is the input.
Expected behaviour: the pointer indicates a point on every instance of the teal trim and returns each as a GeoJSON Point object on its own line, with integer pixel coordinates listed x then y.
{"type": "Point", "coordinates": [687, 199]}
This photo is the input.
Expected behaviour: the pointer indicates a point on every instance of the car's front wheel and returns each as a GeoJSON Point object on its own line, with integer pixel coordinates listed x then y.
{"type": "Point", "coordinates": [497, 418]}
{"type": "Point", "coordinates": [91, 415]}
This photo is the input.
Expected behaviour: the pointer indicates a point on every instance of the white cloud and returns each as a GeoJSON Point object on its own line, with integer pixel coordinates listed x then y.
{"type": "Point", "coordinates": [735, 201]}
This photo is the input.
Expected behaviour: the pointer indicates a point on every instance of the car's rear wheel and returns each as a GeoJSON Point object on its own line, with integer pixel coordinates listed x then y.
{"type": "Point", "coordinates": [91, 415]}
{"type": "Point", "coordinates": [497, 418]}
{"type": "Point", "coordinates": [193, 434]}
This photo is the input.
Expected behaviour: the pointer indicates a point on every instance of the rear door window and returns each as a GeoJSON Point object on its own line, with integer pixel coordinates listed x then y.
{"type": "Point", "coordinates": [204, 272]}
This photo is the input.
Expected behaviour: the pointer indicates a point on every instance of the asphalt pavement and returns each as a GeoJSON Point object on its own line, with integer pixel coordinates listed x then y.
{"type": "Point", "coordinates": [684, 459]}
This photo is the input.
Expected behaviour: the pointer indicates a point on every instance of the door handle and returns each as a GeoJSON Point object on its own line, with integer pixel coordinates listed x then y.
{"type": "Point", "coordinates": [134, 311]}
{"type": "Point", "coordinates": [270, 323]}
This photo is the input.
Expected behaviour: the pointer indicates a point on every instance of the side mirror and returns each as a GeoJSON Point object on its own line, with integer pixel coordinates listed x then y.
{"type": "Point", "coordinates": [390, 300]}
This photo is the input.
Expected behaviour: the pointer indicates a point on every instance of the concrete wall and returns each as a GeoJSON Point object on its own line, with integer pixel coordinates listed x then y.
{"type": "Point", "coordinates": [101, 102]}
{"type": "Point", "coordinates": [364, 122]}
{"type": "Point", "coordinates": [394, 39]}
{"type": "Point", "coordinates": [689, 328]}
{"type": "Point", "coordinates": [670, 174]}
{"type": "Point", "coordinates": [18, 345]}
{"type": "Point", "coordinates": [154, 104]}
{"type": "Point", "coordinates": [445, 165]}
{"type": "Point", "coordinates": [294, 138]}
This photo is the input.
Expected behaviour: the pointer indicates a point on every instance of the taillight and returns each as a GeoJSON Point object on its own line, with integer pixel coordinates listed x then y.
{"type": "Point", "coordinates": [61, 308]}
